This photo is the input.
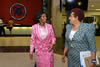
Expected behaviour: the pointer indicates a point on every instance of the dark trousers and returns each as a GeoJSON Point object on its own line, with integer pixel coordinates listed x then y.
{"type": "Point", "coordinates": [35, 64]}
{"type": "Point", "coordinates": [2, 30]}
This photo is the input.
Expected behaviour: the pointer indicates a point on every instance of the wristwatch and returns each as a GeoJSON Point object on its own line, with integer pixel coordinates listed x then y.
{"type": "Point", "coordinates": [93, 60]}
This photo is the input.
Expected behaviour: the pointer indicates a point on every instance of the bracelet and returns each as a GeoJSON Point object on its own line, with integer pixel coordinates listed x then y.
{"type": "Point", "coordinates": [93, 60]}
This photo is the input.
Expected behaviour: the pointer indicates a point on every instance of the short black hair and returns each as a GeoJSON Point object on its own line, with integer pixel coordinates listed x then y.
{"type": "Point", "coordinates": [38, 16]}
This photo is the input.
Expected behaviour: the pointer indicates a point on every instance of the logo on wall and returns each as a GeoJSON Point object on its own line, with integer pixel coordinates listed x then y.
{"type": "Point", "coordinates": [18, 11]}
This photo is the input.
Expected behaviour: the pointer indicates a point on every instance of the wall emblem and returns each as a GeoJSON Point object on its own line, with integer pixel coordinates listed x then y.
{"type": "Point", "coordinates": [18, 11]}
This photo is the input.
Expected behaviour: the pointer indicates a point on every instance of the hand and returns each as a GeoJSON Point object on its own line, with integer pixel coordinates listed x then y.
{"type": "Point", "coordinates": [63, 59]}
{"type": "Point", "coordinates": [51, 48]}
{"type": "Point", "coordinates": [92, 64]}
{"type": "Point", "coordinates": [31, 56]}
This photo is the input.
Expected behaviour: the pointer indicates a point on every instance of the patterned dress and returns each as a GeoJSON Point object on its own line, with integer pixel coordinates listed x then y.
{"type": "Point", "coordinates": [83, 40]}
{"type": "Point", "coordinates": [42, 38]}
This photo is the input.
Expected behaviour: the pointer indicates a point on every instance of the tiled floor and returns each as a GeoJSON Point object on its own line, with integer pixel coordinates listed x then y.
{"type": "Point", "coordinates": [22, 60]}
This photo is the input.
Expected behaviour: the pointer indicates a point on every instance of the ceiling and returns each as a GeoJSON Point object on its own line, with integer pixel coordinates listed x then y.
{"type": "Point", "coordinates": [94, 4]}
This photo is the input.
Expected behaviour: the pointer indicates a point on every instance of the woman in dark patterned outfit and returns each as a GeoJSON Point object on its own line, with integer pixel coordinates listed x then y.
{"type": "Point", "coordinates": [79, 37]}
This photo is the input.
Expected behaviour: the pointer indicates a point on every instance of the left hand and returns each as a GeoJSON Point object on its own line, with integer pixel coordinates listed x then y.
{"type": "Point", "coordinates": [31, 56]}
{"type": "Point", "coordinates": [92, 64]}
{"type": "Point", "coordinates": [51, 47]}
{"type": "Point", "coordinates": [63, 59]}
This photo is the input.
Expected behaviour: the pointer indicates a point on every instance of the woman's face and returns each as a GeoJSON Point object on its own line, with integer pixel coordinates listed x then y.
{"type": "Point", "coordinates": [43, 18]}
{"type": "Point", "coordinates": [72, 18]}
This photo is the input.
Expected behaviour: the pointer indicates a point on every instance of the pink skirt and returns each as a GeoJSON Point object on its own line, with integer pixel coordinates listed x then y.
{"type": "Point", "coordinates": [44, 59]}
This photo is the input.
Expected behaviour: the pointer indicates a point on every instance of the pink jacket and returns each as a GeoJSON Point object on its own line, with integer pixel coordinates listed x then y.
{"type": "Point", "coordinates": [41, 44]}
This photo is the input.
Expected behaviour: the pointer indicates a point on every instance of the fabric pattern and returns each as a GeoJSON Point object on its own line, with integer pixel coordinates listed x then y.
{"type": "Point", "coordinates": [83, 40]}
{"type": "Point", "coordinates": [44, 58]}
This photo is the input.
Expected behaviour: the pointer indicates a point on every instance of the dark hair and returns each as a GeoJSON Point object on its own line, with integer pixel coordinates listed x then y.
{"type": "Point", "coordinates": [78, 12]}
{"type": "Point", "coordinates": [38, 16]}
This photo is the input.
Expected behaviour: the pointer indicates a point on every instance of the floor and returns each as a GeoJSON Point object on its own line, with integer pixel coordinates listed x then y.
{"type": "Point", "coordinates": [23, 60]}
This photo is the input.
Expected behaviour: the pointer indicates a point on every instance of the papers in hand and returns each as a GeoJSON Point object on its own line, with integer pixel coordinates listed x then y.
{"type": "Point", "coordinates": [86, 55]}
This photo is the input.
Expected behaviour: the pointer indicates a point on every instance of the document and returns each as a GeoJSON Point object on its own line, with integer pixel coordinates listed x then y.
{"type": "Point", "coordinates": [85, 58]}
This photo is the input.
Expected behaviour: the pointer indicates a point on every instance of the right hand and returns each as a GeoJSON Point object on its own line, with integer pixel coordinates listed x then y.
{"type": "Point", "coordinates": [50, 48]}
{"type": "Point", "coordinates": [31, 56]}
{"type": "Point", "coordinates": [92, 64]}
{"type": "Point", "coordinates": [63, 59]}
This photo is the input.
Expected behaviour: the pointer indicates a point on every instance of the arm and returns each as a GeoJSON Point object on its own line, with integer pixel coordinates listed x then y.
{"type": "Point", "coordinates": [64, 54]}
{"type": "Point", "coordinates": [66, 47]}
{"type": "Point", "coordinates": [66, 42]}
{"type": "Point", "coordinates": [91, 40]}
{"type": "Point", "coordinates": [53, 36]}
{"type": "Point", "coordinates": [93, 55]}
{"type": "Point", "coordinates": [53, 40]}
{"type": "Point", "coordinates": [65, 51]}
{"type": "Point", "coordinates": [32, 42]}
{"type": "Point", "coordinates": [90, 34]}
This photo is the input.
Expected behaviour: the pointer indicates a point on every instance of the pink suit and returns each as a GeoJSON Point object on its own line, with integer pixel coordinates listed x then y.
{"type": "Point", "coordinates": [44, 58]}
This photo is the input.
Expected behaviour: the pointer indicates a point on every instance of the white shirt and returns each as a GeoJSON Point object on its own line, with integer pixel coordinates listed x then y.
{"type": "Point", "coordinates": [71, 34]}
{"type": "Point", "coordinates": [43, 32]}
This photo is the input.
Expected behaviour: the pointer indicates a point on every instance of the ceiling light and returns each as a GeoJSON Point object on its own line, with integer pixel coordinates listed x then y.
{"type": "Point", "coordinates": [97, 9]}
{"type": "Point", "coordinates": [92, 5]}
{"type": "Point", "coordinates": [70, 1]}
{"type": "Point", "coordinates": [79, 3]}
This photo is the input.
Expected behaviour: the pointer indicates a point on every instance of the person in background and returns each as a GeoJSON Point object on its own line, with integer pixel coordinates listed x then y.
{"type": "Point", "coordinates": [10, 26]}
{"type": "Point", "coordinates": [42, 40]}
{"type": "Point", "coordinates": [79, 37]}
{"type": "Point", "coordinates": [2, 30]}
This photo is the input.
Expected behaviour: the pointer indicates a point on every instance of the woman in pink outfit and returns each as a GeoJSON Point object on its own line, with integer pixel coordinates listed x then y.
{"type": "Point", "coordinates": [42, 40]}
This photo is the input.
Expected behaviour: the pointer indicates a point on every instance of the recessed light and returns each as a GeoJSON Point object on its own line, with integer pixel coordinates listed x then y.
{"type": "Point", "coordinates": [92, 5]}
{"type": "Point", "coordinates": [79, 3]}
{"type": "Point", "coordinates": [70, 1]}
